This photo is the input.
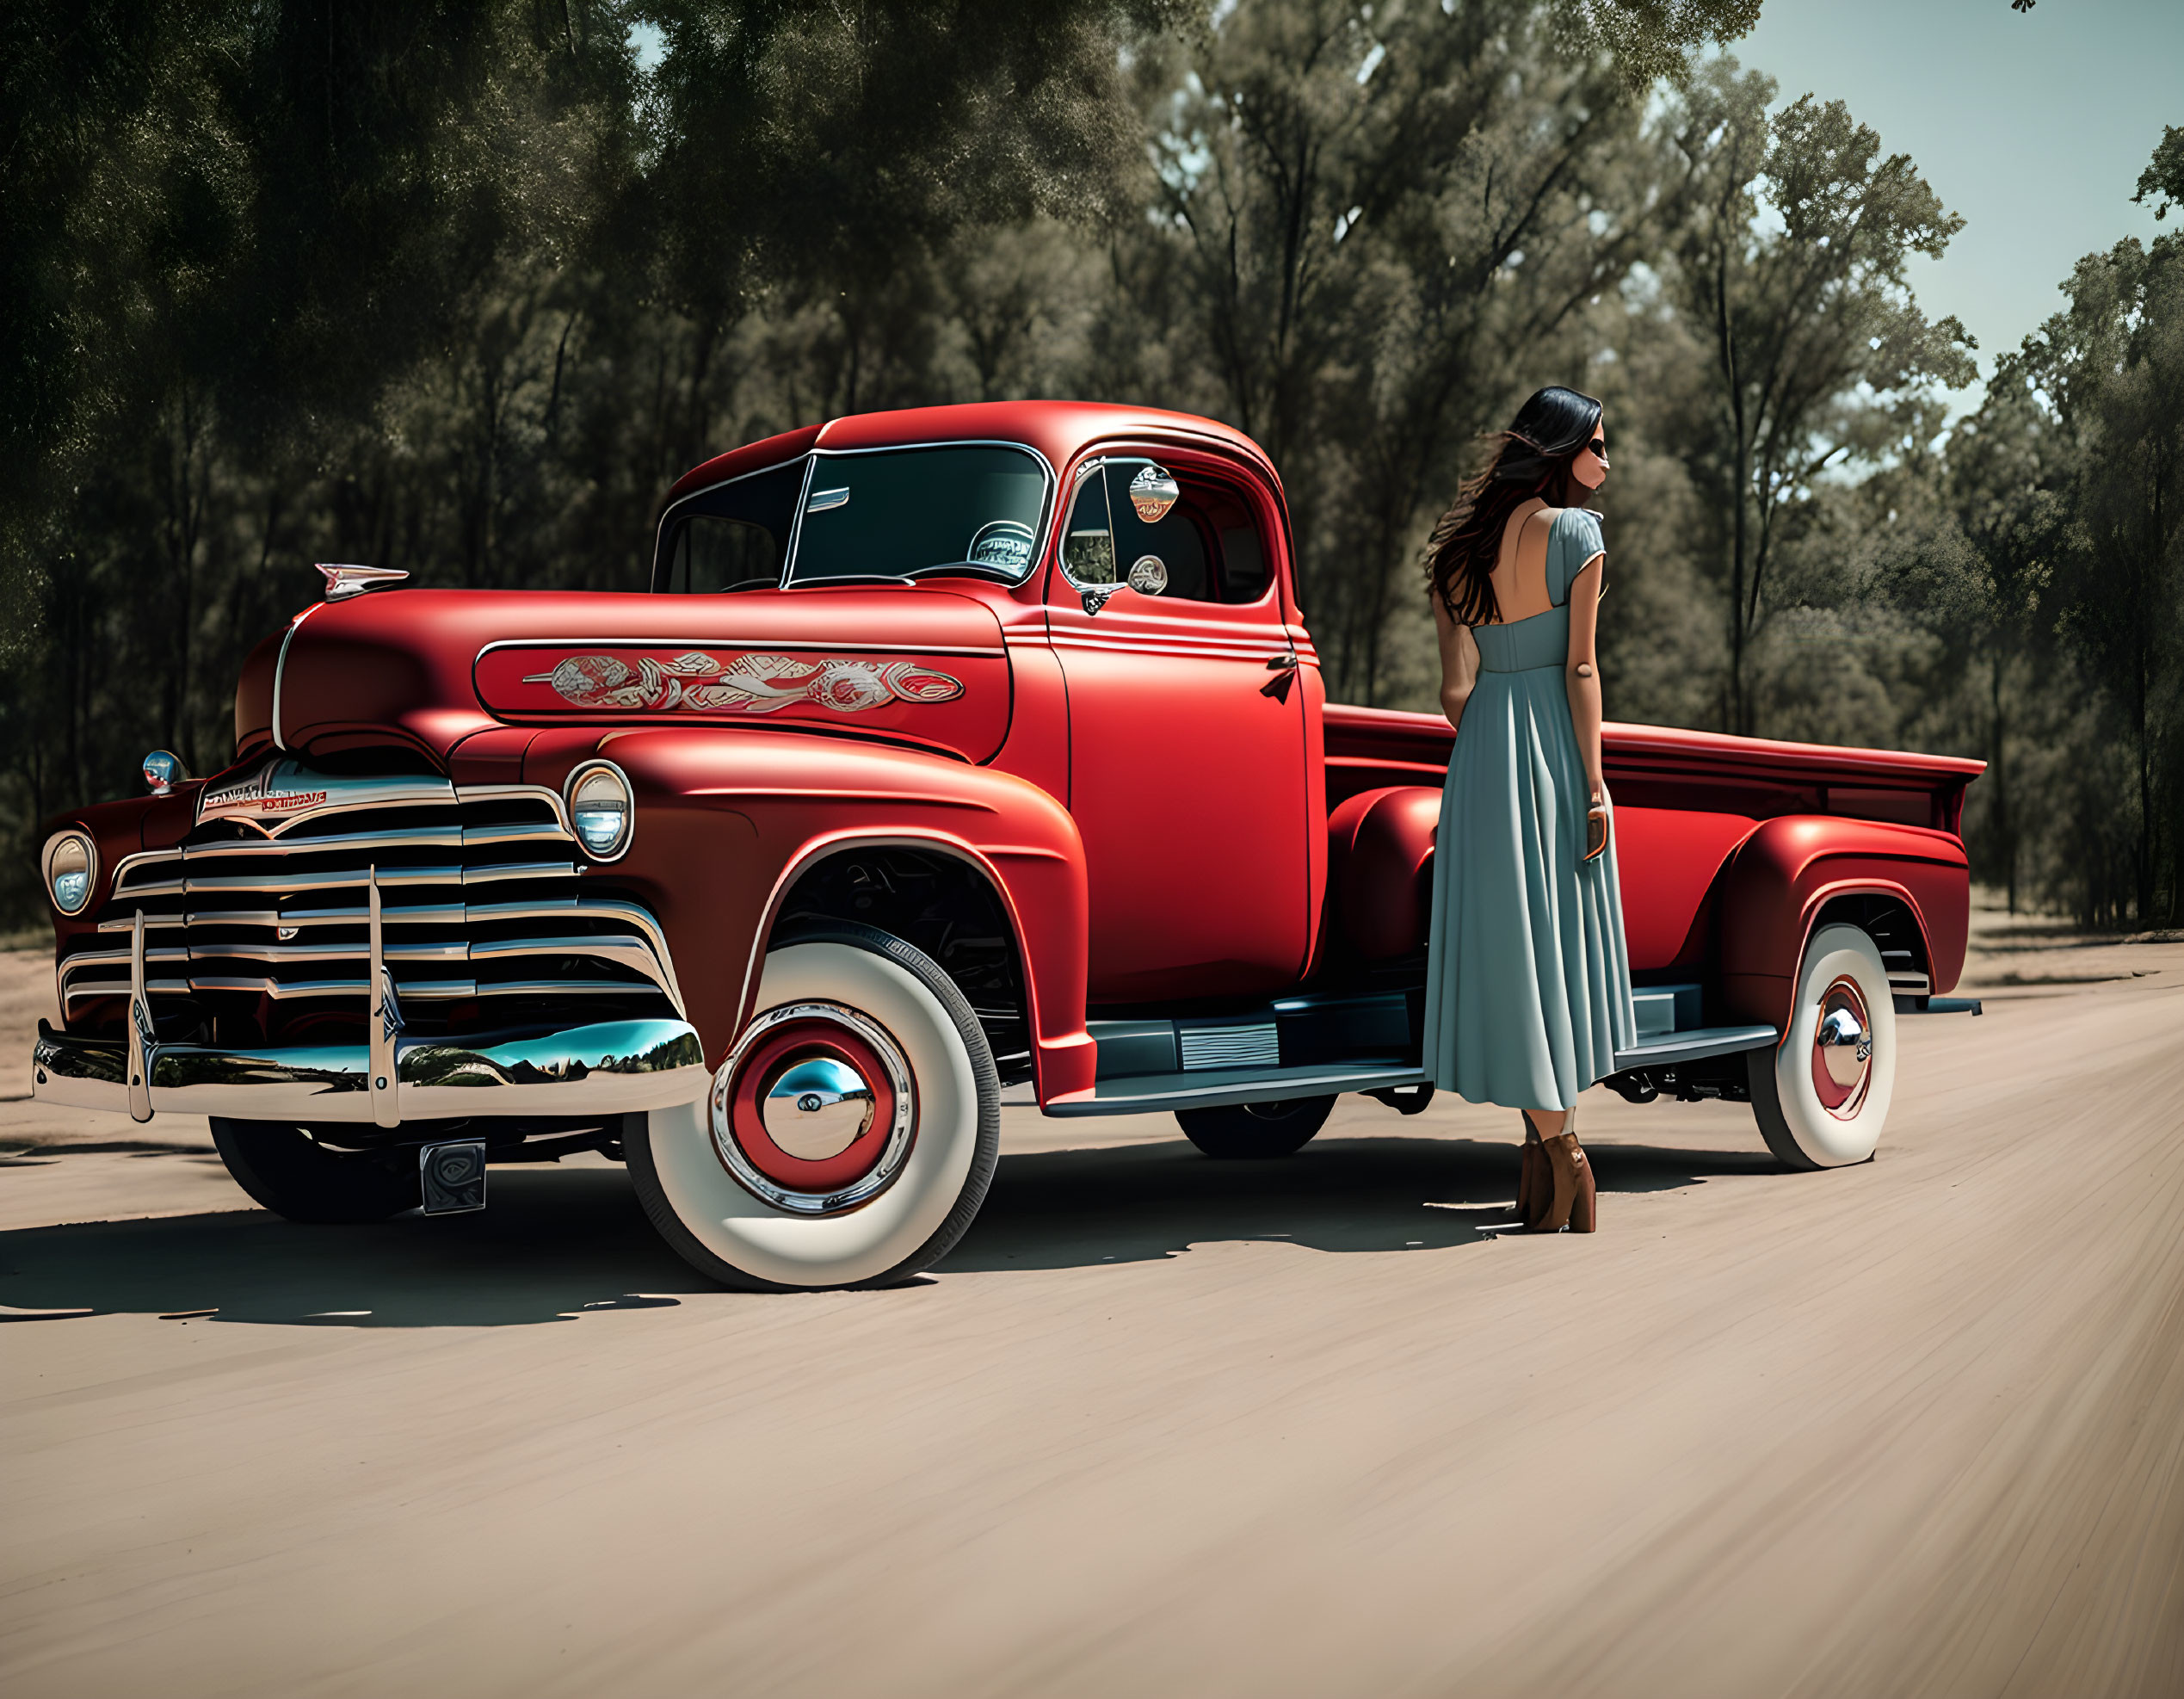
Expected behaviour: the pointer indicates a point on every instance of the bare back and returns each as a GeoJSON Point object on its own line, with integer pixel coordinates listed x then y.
{"type": "Point", "coordinates": [1519, 574]}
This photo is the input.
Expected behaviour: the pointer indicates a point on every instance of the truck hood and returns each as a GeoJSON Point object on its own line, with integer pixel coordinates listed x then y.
{"type": "Point", "coordinates": [925, 666]}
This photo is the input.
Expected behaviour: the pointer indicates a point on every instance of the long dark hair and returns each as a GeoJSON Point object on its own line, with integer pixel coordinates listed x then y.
{"type": "Point", "coordinates": [1531, 458]}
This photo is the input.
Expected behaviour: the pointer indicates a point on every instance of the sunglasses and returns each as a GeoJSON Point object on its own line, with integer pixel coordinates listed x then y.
{"type": "Point", "coordinates": [1599, 446]}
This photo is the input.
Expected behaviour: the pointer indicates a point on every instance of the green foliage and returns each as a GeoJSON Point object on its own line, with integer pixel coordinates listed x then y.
{"type": "Point", "coordinates": [1790, 269]}
{"type": "Point", "coordinates": [2163, 181]}
{"type": "Point", "coordinates": [460, 288]}
{"type": "Point", "coordinates": [2111, 368]}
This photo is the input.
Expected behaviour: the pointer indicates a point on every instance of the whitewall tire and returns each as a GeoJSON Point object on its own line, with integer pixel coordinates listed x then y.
{"type": "Point", "coordinates": [849, 1137]}
{"type": "Point", "coordinates": [1821, 1097]}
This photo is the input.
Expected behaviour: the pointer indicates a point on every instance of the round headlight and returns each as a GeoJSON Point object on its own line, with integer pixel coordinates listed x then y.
{"type": "Point", "coordinates": [599, 809]}
{"type": "Point", "coordinates": [72, 869]}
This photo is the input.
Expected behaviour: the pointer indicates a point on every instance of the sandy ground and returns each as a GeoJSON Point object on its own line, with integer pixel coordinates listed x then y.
{"type": "Point", "coordinates": [1160, 1424]}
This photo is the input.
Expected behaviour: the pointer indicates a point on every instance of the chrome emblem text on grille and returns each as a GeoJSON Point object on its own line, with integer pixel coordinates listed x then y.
{"type": "Point", "coordinates": [286, 791]}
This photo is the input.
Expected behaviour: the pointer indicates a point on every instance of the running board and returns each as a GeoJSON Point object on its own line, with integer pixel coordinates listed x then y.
{"type": "Point", "coordinates": [1154, 1094]}
{"type": "Point", "coordinates": [1695, 1045]}
{"type": "Point", "coordinates": [1208, 1087]}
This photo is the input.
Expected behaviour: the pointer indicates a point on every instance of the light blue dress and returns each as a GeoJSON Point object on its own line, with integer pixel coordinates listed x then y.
{"type": "Point", "coordinates": [1528, 977]}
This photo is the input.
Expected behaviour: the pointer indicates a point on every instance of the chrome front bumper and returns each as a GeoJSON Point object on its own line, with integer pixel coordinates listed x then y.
{"type": "Point", "coordinates": [609, 1068]}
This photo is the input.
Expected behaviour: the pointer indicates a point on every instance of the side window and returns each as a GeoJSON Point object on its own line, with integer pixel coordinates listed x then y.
{"type": "Point", "coordinates": [733, 537]}
{"type": "Point", "coordinates": [1202, 534]}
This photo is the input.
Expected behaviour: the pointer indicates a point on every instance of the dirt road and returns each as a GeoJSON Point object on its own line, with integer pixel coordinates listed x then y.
{"type": "Point", "coordinates": [1161, 1424]}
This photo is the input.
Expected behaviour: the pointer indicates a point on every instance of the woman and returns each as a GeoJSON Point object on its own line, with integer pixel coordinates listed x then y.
{"type": "Point", "coordinates": [1529, 984]}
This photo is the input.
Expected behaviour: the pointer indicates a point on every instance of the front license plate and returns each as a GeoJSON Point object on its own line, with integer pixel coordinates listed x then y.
{"type": "Point", "coordinates": [453, 1176]}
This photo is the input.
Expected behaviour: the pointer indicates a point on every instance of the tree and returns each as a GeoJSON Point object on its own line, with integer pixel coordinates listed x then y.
{"type": "Point", "coordinates": [2112, 367]}
{"type": "Point", "coordinates": [1791, 267]}
{"type": "Point", "coordinates": [1369, 222]}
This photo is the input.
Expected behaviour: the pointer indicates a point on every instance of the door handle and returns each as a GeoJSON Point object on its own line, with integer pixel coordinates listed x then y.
{"type": "Point", "coordinates": [1284, 668]}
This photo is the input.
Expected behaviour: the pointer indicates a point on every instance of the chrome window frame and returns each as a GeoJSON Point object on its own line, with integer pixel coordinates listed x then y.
{"type": "Point", "coordinates": [1086, 470]}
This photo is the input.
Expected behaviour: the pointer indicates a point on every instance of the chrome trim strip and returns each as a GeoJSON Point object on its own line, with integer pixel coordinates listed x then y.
{"type": "Point", "coordinates": [382, 1021]}
{"type": "Point", "coordinates": [144, 1048]}
{"type": "Point", "coordinates": [755, 646]}
{"type": "Point", "coordinates": [499, 873]}
{"type": "Point", "coordinates": [414, 991]}
{"type": "Point", "coordinates": [281, 668]}
{"type": "Point", "coordinates": [323, 878]}
{"type": "Point", "coordinates": [450, 836]}
{"type": "Point", "coordinates": [608, 1068]}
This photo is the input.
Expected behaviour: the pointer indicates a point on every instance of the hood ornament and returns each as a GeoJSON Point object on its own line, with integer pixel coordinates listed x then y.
{"type": "Point", "coordinates": [344, 581]}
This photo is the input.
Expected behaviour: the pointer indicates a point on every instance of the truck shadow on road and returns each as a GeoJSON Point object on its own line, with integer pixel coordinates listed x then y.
{"type": "Point", "coordinates": [1130, 1203]}
{"type": "Point", "coordinates": [554, 1244]}
{"type": "Point", "coordinates": [559, 1245]}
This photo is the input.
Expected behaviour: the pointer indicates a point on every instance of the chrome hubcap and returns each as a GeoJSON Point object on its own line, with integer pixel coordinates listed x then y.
{"type": "Point", "coordinates": [1842, 1050]}
{"type": "Point", "coordinates": [816, 1107]}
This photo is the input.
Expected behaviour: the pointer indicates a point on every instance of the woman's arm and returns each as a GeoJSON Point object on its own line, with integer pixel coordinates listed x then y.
{"type": "Point", "coordinates": [1582, 677]}
{"type": "Point", "coordinates": [1459, 663]}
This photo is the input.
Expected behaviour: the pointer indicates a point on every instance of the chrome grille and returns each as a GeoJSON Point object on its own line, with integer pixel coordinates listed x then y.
{"type": "Point", "coordinates": [486, 921]}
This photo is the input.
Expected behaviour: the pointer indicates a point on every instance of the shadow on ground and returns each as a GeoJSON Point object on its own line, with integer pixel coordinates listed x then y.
{"type": "Point", "coordinates": [554, 1244]}
{"type": "Point", "coordinates": [1132, 1203]}
{"type": "Point", "coordinates": [557, 1244]}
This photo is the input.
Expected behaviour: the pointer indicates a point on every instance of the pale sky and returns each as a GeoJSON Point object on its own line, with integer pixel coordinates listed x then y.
{"type": "Point", "coordinates": [2032, 126]}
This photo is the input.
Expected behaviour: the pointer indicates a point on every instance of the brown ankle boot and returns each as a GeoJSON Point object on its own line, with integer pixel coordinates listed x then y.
{"type": "Point", "coordinates": [1534, 1184]}
{"type": "Point", "coordinates": [1574, 1201]}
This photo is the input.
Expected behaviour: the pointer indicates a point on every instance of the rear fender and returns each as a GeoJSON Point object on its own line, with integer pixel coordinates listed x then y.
{"type": "Point", "coordinates": [1789, 870]}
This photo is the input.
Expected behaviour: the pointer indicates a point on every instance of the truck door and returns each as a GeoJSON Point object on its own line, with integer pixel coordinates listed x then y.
{"type": "Point", "coordinates": [1189, 770]}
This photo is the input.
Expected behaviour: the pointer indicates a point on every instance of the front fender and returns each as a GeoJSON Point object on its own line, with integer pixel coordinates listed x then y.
{"type": "Point", "coordinates": [727, 820]}
{"type": "Point", "coordinates": [1789, 869]}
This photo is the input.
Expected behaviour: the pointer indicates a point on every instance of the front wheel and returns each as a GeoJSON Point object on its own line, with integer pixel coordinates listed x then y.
{"type": "Point", "coordinates": [850, 1135]}
{"type": "Point", "coordinates": [1821, 1096]}
{"type": "Point", "coordinates": [1252, 1130]}
{"type": "Point", "coordinates": [292, 1174]}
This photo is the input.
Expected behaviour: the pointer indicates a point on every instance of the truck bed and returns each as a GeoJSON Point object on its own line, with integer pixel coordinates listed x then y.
{"type": "Point", "coordinates": [1666, 767]}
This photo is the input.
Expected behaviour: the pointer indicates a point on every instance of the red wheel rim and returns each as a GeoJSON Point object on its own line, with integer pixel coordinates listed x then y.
{"type": "Point", "coordinates": [849, 1073]}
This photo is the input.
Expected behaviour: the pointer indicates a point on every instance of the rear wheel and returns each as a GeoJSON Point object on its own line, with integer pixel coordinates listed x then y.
{"type": "Point", "coordinates": [1821, 1096]}
{"type": "Point", "coordinates": [849, 1137]}
{"type": "Point", "coordinates": [286, 1170]}
{"type": "Point", "coordinates": [1253, 1130]}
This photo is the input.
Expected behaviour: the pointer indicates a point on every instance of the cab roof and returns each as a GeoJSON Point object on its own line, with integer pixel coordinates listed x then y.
{"type": "Point", "coordinates": [1058, 430]}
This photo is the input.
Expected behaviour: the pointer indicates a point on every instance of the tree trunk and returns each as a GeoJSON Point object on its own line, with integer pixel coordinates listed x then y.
{"type": "Point", "coordinates": [2005, 828]}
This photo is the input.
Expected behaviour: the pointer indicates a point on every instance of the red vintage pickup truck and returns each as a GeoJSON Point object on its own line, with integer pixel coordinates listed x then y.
{"type": "Point", "coordinates": [951, 753]}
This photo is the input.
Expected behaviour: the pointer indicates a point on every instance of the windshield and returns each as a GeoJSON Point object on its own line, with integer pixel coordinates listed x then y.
{"type": "Point", "coordinates": [908, 513]}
